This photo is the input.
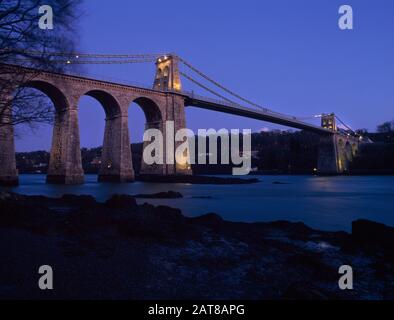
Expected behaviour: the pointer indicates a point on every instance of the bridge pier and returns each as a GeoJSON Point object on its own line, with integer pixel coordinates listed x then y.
{"type": "Point", "coordinates": [327, 160]}
{"type": "Point", "coordinates": [179, 118]}
{"type": "Point", "coordinates": [116, 162]}
{"type": "Point", "coordinates": [336, 152]}
{"type": "Point", "coordinates": [171, 120]}
{"type": "Point", "coordinates": [8, 171]}
{"type": "Point", "coordinates": [65, 165]}
{"type": "Point", "coordinates": [153, 169]}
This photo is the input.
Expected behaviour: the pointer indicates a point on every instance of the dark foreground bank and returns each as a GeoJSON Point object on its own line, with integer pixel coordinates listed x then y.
{"type": "Point", "coordinates": [121, 250]}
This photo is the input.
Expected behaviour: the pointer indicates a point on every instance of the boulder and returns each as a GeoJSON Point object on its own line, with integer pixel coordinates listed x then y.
{"type": "Point", "coordinates": [369, 233]}
{"type": "Point", "coordinates": [79, 200]}
{"type": "Point", "coordinates": [121, 201]}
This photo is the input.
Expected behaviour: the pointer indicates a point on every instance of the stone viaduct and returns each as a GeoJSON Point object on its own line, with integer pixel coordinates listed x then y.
{"type": "Point", "coordinates": [65, 91]}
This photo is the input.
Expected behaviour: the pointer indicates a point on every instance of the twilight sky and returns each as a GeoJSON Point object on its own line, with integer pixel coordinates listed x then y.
{"type": "Point", "coordinates": [287, 55]}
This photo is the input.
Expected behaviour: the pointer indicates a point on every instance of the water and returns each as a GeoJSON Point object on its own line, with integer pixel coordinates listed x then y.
{"type": "Point", "coordinates": [327, 203]}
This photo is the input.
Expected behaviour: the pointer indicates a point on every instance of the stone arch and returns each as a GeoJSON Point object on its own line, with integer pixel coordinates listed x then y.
{"type": "Point", "coordinates": [57, 162]}
{"type": "Point", "coordinates": [107, 101]}
{"type": "Point", "coordinates": [154, 119]}
{"type": "Point", "coordinates": [57, 97]}
{"type": "Point", "coordinates": [159, 73]}
{"type": "Point", "coordinates": [166, 71]}
{"type": "Point", "coordinates": [152, 111]}
{"type": "Point", "coordinates": [65, 165]}
{"type": "Point", "coordinates": [115, 162]}
{"type": "Point", "coordinates": [166, 77]}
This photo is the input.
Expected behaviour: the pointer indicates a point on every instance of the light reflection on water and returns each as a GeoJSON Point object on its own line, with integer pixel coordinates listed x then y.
{"type": "Point", "coordinates": [328, 203]}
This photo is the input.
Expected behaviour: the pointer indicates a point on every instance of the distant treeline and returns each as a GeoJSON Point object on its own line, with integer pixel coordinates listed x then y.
{"type": "Point", "coordinates": [273, 152]}
{"type": "Point", "coordinates": [376, 157]}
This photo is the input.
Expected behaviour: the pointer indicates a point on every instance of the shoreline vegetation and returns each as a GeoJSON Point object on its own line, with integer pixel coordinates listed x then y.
{"type": "Point", "coordinates": [122, 250]}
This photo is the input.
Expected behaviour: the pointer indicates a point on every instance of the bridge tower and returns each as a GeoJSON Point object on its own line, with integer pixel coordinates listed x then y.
{"type": "Point", "coordinates": [328, 121]}
{"type": "Point", "coordinates": [168, 78]}
{"type": "Point", "coordinates": [167, 74]}
{"type": "Point", "coordinates": [336, 150]}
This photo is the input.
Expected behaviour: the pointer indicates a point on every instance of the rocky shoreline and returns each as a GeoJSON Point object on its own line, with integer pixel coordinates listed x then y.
{"type": "Point", "coordinates": [122, 250]}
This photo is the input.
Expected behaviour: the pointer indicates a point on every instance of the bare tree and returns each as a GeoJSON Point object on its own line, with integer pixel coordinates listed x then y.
{"type": "Point", "coordinates": [23, 43]}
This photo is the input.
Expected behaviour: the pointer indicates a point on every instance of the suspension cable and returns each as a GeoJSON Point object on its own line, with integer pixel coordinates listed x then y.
{"type": "Point", "coordinates": [129, 61]}
{"type": "Point", "coordinates": [206, 88]}
{"type": "Point", "coordinates": [218, 84]}
{"type": "Point", "coordinates": [344, 124]}
{"type": "Point", "coordinates": [82, 55]}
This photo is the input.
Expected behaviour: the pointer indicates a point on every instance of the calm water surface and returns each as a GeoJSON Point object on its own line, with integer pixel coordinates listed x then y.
{"type": "Point", "coordinates": [328, 203]}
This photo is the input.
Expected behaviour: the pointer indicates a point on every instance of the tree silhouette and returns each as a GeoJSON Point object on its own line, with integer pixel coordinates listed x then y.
{"type": "Point", "coordinates": [23, 43]}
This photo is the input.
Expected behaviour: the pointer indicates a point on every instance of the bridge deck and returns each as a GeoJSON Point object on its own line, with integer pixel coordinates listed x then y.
{"type": "Point", "coordinates": [269, 116]}
{"type": "Point", "coordinates": [192, 99]}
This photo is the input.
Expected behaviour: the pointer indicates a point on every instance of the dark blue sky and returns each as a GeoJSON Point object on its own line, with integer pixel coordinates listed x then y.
{"type": "Point", "coordinates": [287, 55]}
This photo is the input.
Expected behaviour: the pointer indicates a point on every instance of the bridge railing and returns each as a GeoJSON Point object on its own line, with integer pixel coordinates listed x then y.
{"type": "Point", "coordinates": [106, 78]}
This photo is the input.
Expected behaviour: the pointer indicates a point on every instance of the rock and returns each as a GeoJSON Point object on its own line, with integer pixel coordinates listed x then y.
{"type": "Point", "coordinates": [278, 182]}
{"type": "Point", "coordinates": [160, 195]}
{"type": "Point", "coordinates": [230, 260]}
{"type": "Point", "coordinates": [291, 227]}
{"type": "Point", "coordinates": [209, 219]}
{"type": "Point", "coordinates": [79, 200]}
{"type": "Point", "coordinates": [21, 214]}
{"type": "Point", "coordinates": [4, 195]}
{"type": "Point", "coordinates": [168, 213]}
{"type": "Point", "coordinates": [121, 201]}
{"type": "Point", "coordinates": [368, 233]}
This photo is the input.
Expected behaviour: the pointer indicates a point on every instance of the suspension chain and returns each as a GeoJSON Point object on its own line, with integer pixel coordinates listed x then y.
{"type": "Point", "coordinates": [346, 126]}
{"type": "Point", "coordinates": [218, 84]}
{"type": "Point", "coordinates": [129, 61]}
{"type": "Point", "coordinates": [205, 87]}
{"type": "Point", "coordinates": [83, 55]}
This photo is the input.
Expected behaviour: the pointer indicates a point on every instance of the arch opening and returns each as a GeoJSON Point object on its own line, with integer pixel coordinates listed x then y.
{"type": "Point", "coordinates": [166, 71]}
{"type": "Point", "coordinates": [143, 113]}
{"type": "Point", "coordinates": [159, 73]}
{"type": "Point", "coordinates": [33, 138]}
{"type": "Point", "coordinates": [107, 101]}
{"type": "Point", "coordinates": [53, 93]}
{"type": "Point", "coordinates": [95, 110]}
{"type": "Point", "coordinates": [35, 104]}
{"type": "Point", "coordinates": [150, 108]}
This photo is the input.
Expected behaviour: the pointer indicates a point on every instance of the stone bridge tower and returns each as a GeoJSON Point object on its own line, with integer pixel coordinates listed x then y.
{"type": "Point", "coordinates": [337, 150]}
{"type": "Point", "coordinates": [167, 76]}
{"type": "Point", "coordinates": [328, 122]}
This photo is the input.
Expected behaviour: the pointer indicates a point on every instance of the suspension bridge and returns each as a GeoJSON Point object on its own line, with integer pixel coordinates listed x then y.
{"type": "Point", "coordinates": [163, 101]}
